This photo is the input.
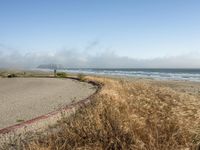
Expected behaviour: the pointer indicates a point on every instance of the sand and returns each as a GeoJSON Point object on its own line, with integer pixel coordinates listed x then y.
{"type": "Point", "coordinates": [182, 86]}
{"type": "Point", "coordinates": [26, 98]}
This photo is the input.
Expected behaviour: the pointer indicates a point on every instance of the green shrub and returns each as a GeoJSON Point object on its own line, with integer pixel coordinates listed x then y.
{"type": "Point", "coordinates": [62, 74]}
{"type": "Point", "coordinates": [19, 120]}
{"type": "Point", "coordinates": [11, 75]}
{"type": "Point", "coordinates": [81, 76]}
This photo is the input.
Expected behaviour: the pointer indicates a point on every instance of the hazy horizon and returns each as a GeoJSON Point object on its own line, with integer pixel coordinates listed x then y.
{"type": "Point", "coordinates": [100, 34]}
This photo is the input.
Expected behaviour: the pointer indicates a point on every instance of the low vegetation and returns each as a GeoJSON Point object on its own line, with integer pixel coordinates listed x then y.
{"type": "Point", "coordinates": [81, 77]}
{"type": "Point", "coordinates": [20, 120]}
{"type": "Point", "coordinates": [127, 115]}
{"type": "Point", "coordinates": [11, 75]}
{"type": "Point", "coordinates": [6, 74]}
{"type": "Point", "coordinates": [62, 74]}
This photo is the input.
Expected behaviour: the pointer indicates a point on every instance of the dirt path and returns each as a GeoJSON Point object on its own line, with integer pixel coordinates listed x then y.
{"type": "Point", "coordinates": [27, 98]}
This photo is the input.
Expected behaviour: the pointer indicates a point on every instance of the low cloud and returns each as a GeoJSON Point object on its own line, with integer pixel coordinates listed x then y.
{"type": "Point", "coordinates": [11, 58]}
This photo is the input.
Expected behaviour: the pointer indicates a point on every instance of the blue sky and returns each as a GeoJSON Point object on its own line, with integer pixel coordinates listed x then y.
{"type": "Point", "coordinates": [133, 29]}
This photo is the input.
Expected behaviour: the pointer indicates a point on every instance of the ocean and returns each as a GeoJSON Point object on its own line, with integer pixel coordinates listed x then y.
{"type": "Point", "coordinates": [161, 74]}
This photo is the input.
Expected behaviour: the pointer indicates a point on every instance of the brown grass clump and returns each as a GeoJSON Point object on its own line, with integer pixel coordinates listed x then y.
{"type": "Point", "coordinates": [128, 115]}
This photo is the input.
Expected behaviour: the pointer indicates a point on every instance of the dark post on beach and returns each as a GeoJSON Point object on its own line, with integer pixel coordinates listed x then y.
{"type": "Point", "coordinates": [54, 72]}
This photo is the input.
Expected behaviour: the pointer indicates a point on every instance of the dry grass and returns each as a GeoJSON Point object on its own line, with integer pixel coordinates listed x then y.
{"type": "Point", "coordinates": [127, 115]}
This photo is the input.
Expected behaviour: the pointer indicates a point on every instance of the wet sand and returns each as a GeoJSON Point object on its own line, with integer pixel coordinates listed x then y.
{"type": "Point", "coordinates": [26, 98]}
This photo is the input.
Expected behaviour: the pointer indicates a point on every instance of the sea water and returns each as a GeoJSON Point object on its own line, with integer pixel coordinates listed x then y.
{"type": "Point", "coordinates": [168, 74]}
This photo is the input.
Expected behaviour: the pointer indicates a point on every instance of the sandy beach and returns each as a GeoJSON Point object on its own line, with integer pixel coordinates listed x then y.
{"type": "Point", "coordinates": [25, 98]}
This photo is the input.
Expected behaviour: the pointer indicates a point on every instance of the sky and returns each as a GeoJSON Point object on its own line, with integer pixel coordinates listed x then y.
{"type": "Point", "coordinates": [100, 33]}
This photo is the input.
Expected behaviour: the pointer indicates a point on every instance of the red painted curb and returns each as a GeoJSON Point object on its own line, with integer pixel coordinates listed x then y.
{"type": "Point", "coordinates": [53, 113]}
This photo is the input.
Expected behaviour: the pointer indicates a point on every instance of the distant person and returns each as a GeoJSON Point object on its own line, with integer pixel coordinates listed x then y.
{"type": "Point", "coordinates": [54, 72]}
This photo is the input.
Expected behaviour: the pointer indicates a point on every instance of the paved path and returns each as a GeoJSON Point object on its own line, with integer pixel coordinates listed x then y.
{"type": "Point", "coordinates": [27, 98]}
